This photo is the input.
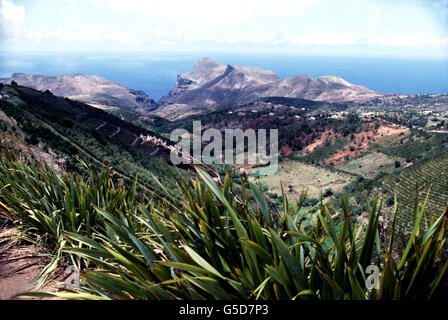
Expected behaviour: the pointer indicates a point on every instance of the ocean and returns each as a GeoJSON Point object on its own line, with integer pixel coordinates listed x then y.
{"type": "Point", "coordinates": [156, 73]}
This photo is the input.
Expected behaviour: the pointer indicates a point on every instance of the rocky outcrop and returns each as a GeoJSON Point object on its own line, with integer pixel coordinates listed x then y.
{"type": "Point", "coordinates": [211, 83]}
{"type": "Point", "coordinates": [204, 71]}
{"type": "Point", "coordinates": [93, 90]}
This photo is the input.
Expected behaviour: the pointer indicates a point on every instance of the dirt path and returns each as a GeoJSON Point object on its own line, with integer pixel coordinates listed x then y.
{"type": "Point", "coordinates": [19, 266]}
{"type": "Point", "coordinates": [434, 131]}
{"type": "Point", "coordinates": [135, 141]}
{"type": "Point", "coordinates": [340, 181]}
{"type": "Point", "coordinates": [100, 126]}
{"type": "Point", "coordinates": [154, 152]}
{"type": "Point", "coordinates": [115, 133]}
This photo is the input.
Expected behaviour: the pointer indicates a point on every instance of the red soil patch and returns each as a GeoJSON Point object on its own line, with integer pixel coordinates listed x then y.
{"type": "Point", "coordinates": [286, 150]}
{"type": "Point", "coordinates": [361, 140]}
{"type": "Point", "coordinates": [318, 142]}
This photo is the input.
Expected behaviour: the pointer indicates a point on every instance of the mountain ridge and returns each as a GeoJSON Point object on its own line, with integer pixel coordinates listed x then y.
{"type": "Point", "coordinates": [208, 83]}
{"type": "Point", "coordinates": [93, 90]}
{"type": "Point", "coordinates": [242, 84]}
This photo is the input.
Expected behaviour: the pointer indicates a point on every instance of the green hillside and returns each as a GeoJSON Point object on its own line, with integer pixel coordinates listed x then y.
{"type": "Point", "coordinates": [219, 235]}
{"type": "Point", "coordinates": [74, 130]}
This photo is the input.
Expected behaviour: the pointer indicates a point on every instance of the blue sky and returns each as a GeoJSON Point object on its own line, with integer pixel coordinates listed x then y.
{"type": "Point", "coordinates": [333, 27]}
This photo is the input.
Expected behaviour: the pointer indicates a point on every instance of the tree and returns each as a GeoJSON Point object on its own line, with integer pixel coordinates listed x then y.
{"type": "Point", "coordinates": [328, 192]}
{"type": "Point", "coordinates": [390, 201]}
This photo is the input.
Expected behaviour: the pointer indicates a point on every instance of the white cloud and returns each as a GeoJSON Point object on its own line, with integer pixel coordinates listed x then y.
{"type": "Point", "coordinates": [166, 23]}
{"type": "Point", "coordinates": [211, 13]}
{"type": "Point", "coordinates": [230, 24]}
{"type": "Point", "coordinates": [405, 42]}
{"type": "Point", "coordinates": [12, 20]}
{"type": "Point", "coordinates": [373, 14]}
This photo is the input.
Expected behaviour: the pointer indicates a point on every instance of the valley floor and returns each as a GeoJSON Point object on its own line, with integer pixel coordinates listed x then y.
{"type": "Point", "coordinates": [296, 177]}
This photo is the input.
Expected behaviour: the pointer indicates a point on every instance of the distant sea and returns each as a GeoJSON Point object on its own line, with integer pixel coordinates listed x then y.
{"type": "Point", "coordinates": [156, 73]}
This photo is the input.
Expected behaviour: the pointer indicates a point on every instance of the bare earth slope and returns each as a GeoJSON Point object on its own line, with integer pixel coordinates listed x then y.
{"type": "Point", "coordinates": [93, 90]}
{"type": "Point", "coordinates": [20, 264]}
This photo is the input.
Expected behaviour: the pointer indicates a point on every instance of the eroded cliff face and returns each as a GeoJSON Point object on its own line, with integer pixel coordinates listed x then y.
{"type": "Point", "coordinates": [211, 82]}
{"type": "Point", "coordinates": [93, 90]}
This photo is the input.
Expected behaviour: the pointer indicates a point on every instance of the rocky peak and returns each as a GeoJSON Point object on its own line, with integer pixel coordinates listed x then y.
{"type": "Point", "coordinates": [204, 71]}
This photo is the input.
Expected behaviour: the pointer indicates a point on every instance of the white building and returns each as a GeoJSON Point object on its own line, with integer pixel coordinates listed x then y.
{"type": "Point", "coordinates": [4, 95]}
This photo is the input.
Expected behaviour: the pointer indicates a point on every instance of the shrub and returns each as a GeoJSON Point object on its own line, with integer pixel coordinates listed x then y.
{"type": "Point", "coordinates": [219, 243]}
{"type": "Point", "coordinates": [328, 192]}
{"type": "Point", "coordinates": [44, 204]}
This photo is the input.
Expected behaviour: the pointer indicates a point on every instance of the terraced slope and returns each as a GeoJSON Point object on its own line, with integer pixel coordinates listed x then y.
{"type": "Point", "coordinates": [432, 173]}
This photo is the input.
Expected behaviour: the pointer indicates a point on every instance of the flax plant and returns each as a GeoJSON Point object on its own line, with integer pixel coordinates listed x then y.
{"type": "Point", "coordinates": [219, 241]}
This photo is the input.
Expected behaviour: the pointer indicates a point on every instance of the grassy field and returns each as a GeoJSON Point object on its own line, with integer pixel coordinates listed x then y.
{"type": "Point", "coordinates": [435, 119]}
{"type": "Point", "coordinates": [296, 176]}
{"type": "Point", "coordinates": [371, 164]}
